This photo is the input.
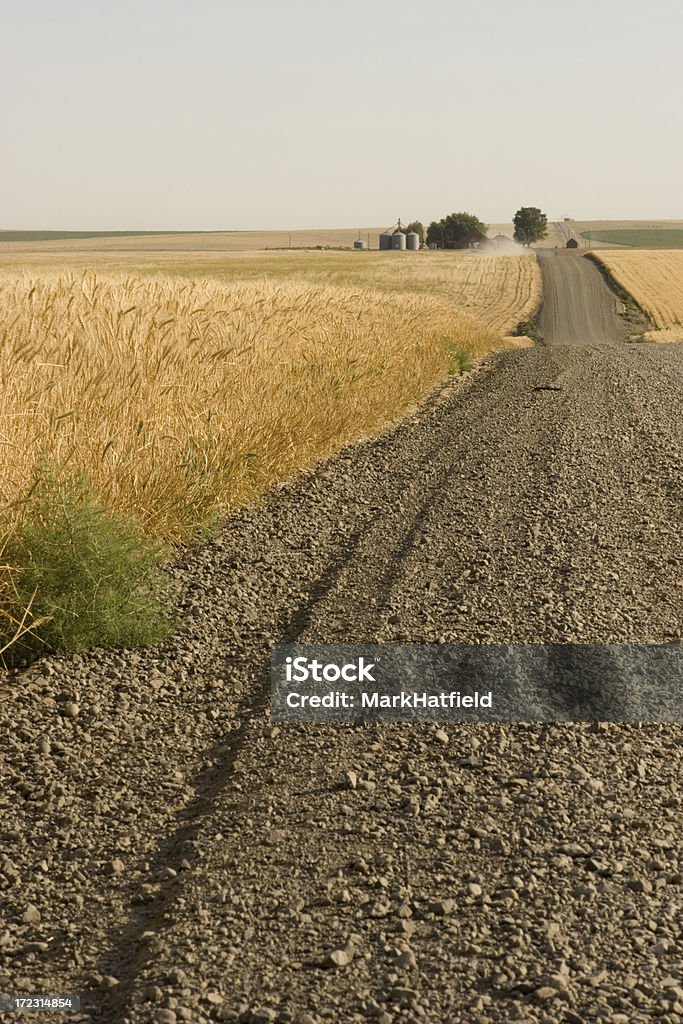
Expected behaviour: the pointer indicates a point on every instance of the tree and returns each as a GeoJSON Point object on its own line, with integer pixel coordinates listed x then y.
{"type": "Point", "coordinates": [418, 227]}
{"type": "Point", "coordinates": [530, 225]}
{"type": "Point", "coordinates": [450, 229]}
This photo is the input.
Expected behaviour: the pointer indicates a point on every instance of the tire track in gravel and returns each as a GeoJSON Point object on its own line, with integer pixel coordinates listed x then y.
{"type": "Point", "coordinates": [375, 576]}
{"type": "Point", "coordinates": [178, 848]}
{"type": "Point", "coordinates": [133, 939]}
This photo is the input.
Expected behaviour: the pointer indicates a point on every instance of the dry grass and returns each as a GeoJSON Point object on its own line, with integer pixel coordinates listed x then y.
{"type": "Point", "coordinates": [672, 335]}
{"type": "Point", "coordinates": [655, 280]}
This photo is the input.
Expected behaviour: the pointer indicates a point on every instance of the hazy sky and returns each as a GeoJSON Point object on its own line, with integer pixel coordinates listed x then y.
{"type": "Point", "coordinates": [226, 114]}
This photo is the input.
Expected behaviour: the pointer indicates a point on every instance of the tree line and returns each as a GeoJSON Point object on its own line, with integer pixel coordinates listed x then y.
{"type": "Point", "coordinates": [531, 225]}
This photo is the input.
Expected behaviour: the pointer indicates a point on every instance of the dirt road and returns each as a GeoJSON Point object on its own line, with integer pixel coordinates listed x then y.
{"type": "Point", "coordinates": [578, 306]}
{"type": "Point", "coordinates": [172, 856]}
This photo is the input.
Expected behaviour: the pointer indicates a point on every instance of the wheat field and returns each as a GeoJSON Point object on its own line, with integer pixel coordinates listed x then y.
{"type": "Point", "coordinates": [176, 396]}
{"type": "Point", "coordinates": [181, 396]}
{"type": "Point", "coordinates": [500, 291]}
{"type": "Point", "coordinates": [655, 280]}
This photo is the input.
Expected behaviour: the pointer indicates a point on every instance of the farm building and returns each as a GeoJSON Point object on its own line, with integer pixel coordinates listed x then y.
{"type": "Point", "coordinates": [572, 243]}
{"type": "Point", "coordinates": [503, 243]}
{"type": "Point", "coordinates": [471, 240]}
{"type": "Point", "coordinates": [398, 239]}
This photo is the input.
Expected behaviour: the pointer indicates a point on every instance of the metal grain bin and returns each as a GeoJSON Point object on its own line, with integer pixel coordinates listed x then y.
{"type": "Point", "coordinates": [360, 244]}
{"type": "Point", "coordinates": [412, 240]}
{"type": "Point", "coordinates": [398, 240]}
{"type": "Point", "coordinates": [385, 240]}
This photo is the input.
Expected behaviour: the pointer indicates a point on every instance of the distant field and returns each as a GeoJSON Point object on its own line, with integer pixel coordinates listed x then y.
{"type": "Point", "coordinates": [206, 241]}
{"type": "Point", "coordinates": [140, 242]}
{"type": "Point", "coordinates": [180, 241]}
{"type": "Point", "coordinates": [608, 233]}
{"type": "Point", "coordinates": [639, 238]}
{"type": "Point", "coordinates": [59, 236]}
{"type": "Point", "coordinates": [655, 280]}
{"type": "Point", "coordinates": [596, 234]}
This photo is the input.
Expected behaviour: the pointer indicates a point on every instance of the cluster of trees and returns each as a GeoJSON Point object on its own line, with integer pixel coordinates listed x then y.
{"type": "Point", "coordinates": [449, 230]}
{"type": "Point", "coordinates": [531, 225]}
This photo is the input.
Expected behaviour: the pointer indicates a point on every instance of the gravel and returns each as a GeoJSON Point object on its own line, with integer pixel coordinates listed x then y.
{"type": "Point", "coordinates": [169, 854]}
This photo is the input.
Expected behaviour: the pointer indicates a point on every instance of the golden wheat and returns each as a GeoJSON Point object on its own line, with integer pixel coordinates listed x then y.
{"type": "Point", "coordinates": [179, 396]}
{"type": "Point", "coordinates": [500, 291]}
{"type": "Point", "coordinates": [655, 280]}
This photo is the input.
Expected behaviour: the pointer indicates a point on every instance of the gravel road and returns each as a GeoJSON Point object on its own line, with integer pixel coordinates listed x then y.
{"type": "Point", "coordinates": [578, 306]}
{"type": "Point", "coordinates": [172, 855]}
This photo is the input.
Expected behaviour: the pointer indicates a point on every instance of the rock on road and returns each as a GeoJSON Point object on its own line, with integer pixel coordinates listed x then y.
{"type": "Point", "coordinates": [171, 855]}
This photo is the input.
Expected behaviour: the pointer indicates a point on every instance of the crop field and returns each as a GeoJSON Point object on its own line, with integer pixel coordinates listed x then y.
{"type": "Point", "coordinates": [176, 396]}
{"type": "Point", "coordinates": [639, 238]}
{"type": "Point", "coordinates": [16, 242]}
{"type": "Point", "coordinates": [655, 280]}
{"type": "Point", "coordinates": [643, 234]}
{"type": "Point", "coordinates": [500, 291]}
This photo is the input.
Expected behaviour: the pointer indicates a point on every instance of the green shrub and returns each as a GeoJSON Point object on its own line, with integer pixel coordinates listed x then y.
{"type": "Point", "coordinates": [90, 575]}
{"type": "Point", "coordinates": [528, 329]}
{"type": "Point", "coordinates": [458, 361]}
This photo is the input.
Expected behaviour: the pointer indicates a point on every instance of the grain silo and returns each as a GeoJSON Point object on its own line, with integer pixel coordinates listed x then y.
{"type": "Point", "coordinates": [385, 240]}
{"type": "Point", "coordinates": [360, 243]}
{"type": "Point", "coordinates": [412, 241]}
{"type": "Point", "coordinates": [398, 240]}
